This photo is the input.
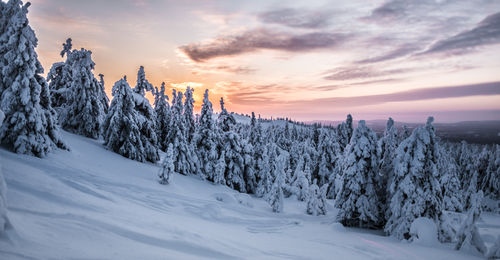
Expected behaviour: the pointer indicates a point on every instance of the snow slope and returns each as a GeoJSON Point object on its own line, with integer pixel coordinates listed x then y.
{"type": "Point", "coordinates": [90, 203]}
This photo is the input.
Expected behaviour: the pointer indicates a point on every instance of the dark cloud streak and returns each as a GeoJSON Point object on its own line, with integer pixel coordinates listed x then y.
{"type": "Point", "coordinates": [297, 18]}
{"type": "Point", "coordinates": [254, 40]}
{"type": "Point", "coordinates": [485, 33]}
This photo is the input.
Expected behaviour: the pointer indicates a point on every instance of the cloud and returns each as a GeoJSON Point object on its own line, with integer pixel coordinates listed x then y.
{"type": "Point", "coordinates": [394, 54]}
{"type": "Point", "coordinates": [485, 33]}
{"type": "Point", "coordinates": [353, 73]}
{"type": "Point", "coordinates": [483, 89]}
{"type": "Point", "coordinates": [297, 18]}
{"type": "Point", "coordinates": [254, 40]}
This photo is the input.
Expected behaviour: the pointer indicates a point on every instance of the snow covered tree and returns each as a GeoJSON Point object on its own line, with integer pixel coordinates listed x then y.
{"type": "Point", "coordinates": [451, 192]}
{"type": "Point", "coordinates": [220, 169]}
{"type": "Point", "coordinates": [207, 140]}
{"type": "Point", "coordinates": [30, 125]}
{"type": "Point", "coordinates": [143, 84]}
{"type": "Point", "coordinates": [275, 196]}
{"type": "Point", "coordinates": [357, 199]}
{"type": "Point", "coordinates": [260, 164]}
{"type": "Point", "coordinates": [104, 98]}
{"type": "Point", "coordinates": [299, 184]}
{"type": "Point", "coordinates": [345, 131]}
{"type": "Point", "coordinates": [491, 182]}
{"type": "Point", "coordinates": [163, 117]}
{"type": "Point", "coordinates": [188, 114]}
{"type": "Point", "coordinates": [316, 203]}
{"type": "Point", "coordinates": [416, 191]}
{"type": "Point", "coordinates": [57, 85]}
{"type": "Point", "coordinates": [471, 190]}
{"type": "Point", "coordinates": [121, 128]}
{"type": "Point", "coordinates": [4, 220]}
{"type": "Point", "coordinates": [167, 167]}
{"type": "Point", "coordinates": [184, 156]}
{"type": "Point", "coordinates": [82, 108]}
{"type": "Point", "coordinates": [226, 120]}
{"type": "Point", "coordinates": [147, 117]}
{"type": "Point", "coordinates": [468, 235]}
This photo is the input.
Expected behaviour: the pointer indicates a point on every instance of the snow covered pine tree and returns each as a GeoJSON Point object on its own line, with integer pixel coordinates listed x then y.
{"type": "Point", "coordinates": [358, 198]}
{"type": "Point", "coordinates": [121, 128]}
{"type": "Point", "coordinates": [416, 191]}
{"type": "Point", "coordinates": [30, 126]}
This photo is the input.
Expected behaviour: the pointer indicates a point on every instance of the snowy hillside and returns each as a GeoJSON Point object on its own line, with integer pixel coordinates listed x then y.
{"type": "Point", "coordinates": [90, 203]}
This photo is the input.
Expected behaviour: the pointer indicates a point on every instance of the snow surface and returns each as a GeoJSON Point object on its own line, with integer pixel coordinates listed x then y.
{"type": "Point", "coordinates": [90, 203]}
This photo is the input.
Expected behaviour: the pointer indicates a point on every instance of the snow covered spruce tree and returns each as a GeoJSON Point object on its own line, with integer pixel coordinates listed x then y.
{"type": "Point", "coordinates": [30, 121]}
{"type": "Point", "coordinates": [316, 203]}
{"type": "Point", "coordinates": [299, 183]}
{"type": "Point", "coordinates": [451, 192]}
{"type": "Point", "coordinates": [275, 196]}
{"type": "Point", "coordinates": [163, 117]}
{"type": "Point", "coordinates": [358, 199]}
{"type": "Point", "coordinates": [231, 144]}
{"type": "Point", "coordinates": [121, 128]}
{"type": "Point", "coordinates": [491, 182]}
{"type": "Point", "coordinates": [188, 114]}
{"type": "Point", "coordinates": [387, 145]}
{"type": "Point", "coordinates": [207, 140]}
{"type": "Point", "coordinates": [147, 117]}
{"type": "Point", "coordinates": [415, 190]}
{"type": "Point", "coordinates": [345, 131]}
{"type": "Point", "coordinates": [82, 110]}
{"type": "Point", "coordinates": [260, 163]}
{"type": "Point", "coordinates": [167, 167]}
{"type": "Point", "coordinates": [184, 158]}
{"type": "Point", "coordinates": [468, 235]}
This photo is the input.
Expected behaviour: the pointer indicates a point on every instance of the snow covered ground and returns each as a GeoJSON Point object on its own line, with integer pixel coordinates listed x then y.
{"type": "Point", "coordinates": [90, 203]}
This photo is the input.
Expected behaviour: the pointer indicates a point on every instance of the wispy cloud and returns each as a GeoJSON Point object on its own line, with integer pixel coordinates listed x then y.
{"type": "Point", "coordinates": [357, 72]}
{"type": "Point", "coordinates": [297, 18]}
{"type": "Point", "coordinates": [484, 89]}
{"type": "Point", "coordinates": [258, 39]}
{"type": "Point", "coordinates": [485, 33]}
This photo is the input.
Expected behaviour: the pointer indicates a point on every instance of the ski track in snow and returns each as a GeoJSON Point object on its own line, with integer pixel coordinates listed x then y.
{"type": "Point", "coordinates": [90, 203]}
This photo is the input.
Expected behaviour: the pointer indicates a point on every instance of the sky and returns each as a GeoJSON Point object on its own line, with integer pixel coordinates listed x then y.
{"type": "Point", "coordinates": [306, 60]}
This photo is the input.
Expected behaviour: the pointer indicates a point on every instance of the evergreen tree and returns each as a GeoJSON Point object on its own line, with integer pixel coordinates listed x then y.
{"type": "Point", "coordinates": [275, 196]}
{"type": "Point", "coordinates": [29, 126]}
{"type": "Point", "coordinates": [316, 203]}
{"type": "Point", "coordinates": [220, 169]}
{"type": "Point", "coordinates": [468, 234]}
{"type": "Point", "coordinates": [358, 199]}
{"type": "Point", "coordinates": [387, 145]}
{"type": "Point", "coordinates": [345, 131]}
{"type": "Point", "coordinates": [416, 191]}
{"type": "Point", "coordinates": [167, 167]}
{"type": "Point", "coordinates": [147, 117]}
{"type": "Point", "coordinates": [299, 184]}
{"type": "Point", "coordinates": [451, 192]}
{"type": "Point", "coordinates": [104, 98]}
{"type": "Point", "coordinates": [188, 114]}
{"type": "Point", "coordinates": [143, 84]}
{"type": "Point", "coordinates": [163, 117]}
{"type": "Point", "coordinates": [82, 108]}
{"type": "Point", "coordinates": [206, 140]}
{"type": "Point", "coordinates": [122, 133]}
{"type": "Point", "coordinates": [226, 120]}
{"type": "Point", "coordinates": [183, 154]}
{"type": "Point", "coordinates": [491, 182]}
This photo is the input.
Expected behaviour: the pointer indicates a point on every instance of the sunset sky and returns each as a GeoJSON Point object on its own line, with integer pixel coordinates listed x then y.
{"type": "Point", "coordinates": [308, 60]}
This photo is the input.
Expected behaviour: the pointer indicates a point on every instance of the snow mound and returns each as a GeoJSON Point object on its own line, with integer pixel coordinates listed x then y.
{"type": "Point", "coordinates": [244, 199]}
{"type": "Point", "coordinates": [224, 197]}
{"type": "Point", "coordinates": [424, 231]}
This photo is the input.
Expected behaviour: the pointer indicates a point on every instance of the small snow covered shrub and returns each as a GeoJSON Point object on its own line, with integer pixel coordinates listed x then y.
{"type": "Point", "coordinates": [424, 231]}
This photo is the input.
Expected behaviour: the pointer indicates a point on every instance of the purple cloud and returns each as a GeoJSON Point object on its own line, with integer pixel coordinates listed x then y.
{"type": "Point", "coordinates": [254, 40]}
{"type": "Point", "coordinates": [353, 73]}
{"type": "Point", "coordinates": [485, 33]}
{"type": "Point", "coordinates": [297, 18]}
